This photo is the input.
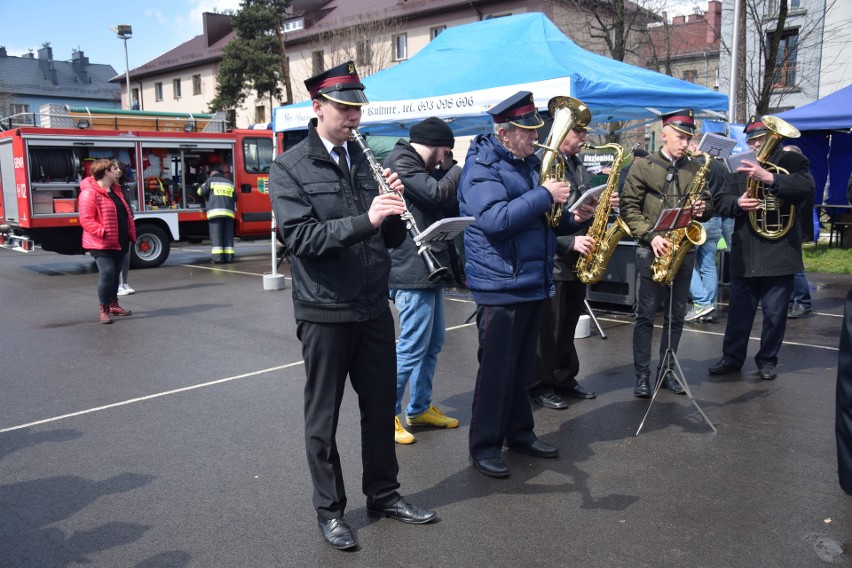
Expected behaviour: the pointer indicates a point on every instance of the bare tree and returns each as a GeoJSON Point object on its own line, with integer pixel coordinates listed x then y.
{"type": "Point", "coordinates": [780, 48]}
{"type": "Point", "coordinates": [367, 40]}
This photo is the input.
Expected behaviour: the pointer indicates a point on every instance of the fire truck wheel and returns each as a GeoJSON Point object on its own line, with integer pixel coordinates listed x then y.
{"type": "Point", "coordinates": [152, 247]}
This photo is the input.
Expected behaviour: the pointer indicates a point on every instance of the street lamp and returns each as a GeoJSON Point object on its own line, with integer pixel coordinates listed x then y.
{"type": "Point", "coordinates": [125, 32]}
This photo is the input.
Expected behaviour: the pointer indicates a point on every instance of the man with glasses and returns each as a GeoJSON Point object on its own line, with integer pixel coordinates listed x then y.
{"type": "Point", "coordinates": [556, 363]}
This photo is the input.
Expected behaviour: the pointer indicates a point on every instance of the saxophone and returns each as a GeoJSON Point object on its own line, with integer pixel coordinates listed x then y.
{"type": "Point", "coordinates": [590, 268]}
{"type": "Point", "coordinates": [664, 268]}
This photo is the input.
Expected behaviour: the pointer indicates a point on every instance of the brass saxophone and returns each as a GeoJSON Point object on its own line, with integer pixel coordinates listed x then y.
{"type": "Point", "coordinates": [664, 268]}
{"type": "Point", "coordinates": [591, 267]}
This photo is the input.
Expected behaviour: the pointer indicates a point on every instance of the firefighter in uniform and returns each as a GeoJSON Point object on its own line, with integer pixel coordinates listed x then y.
{"type": "Point", "coordinates": [220, 198]}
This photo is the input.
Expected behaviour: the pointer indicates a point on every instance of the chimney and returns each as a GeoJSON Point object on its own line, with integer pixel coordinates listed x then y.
{"type": "Point", "coordinates": [3, 51]}
{"type": "Point", "coordinates": [678, 20]}
{"type": "Point", "coordinates": [714, 22]}
{"type": "Point", "coordinates": [216, 26]}
{"type": "Point", "coordinates": [79, 63]}
{"type": "Point", "coordinates": [45, 63]}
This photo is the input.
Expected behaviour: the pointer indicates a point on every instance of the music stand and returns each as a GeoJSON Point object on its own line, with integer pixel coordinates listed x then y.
{"type": "Point", "coordinates": [670, 219]}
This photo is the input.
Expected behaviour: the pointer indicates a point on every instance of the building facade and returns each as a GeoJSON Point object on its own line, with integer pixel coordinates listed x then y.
{"type": "Point", "coordinates": [322, 33]}
{"type": "Point", "coordinates": [30, 82]}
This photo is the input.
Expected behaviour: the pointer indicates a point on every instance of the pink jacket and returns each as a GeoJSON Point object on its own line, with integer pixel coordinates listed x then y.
{"type": "Point", "coordinates": [98, 217]}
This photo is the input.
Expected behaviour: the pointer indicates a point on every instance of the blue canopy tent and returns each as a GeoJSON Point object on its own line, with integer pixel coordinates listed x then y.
{"type": "Point", "coordinates": [826, 126]}
{"type": "Point", "coordinates": [468, 69]}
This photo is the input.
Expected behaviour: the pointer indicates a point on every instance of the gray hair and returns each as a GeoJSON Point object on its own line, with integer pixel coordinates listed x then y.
{"type": "Point", "coordinates": [507, 126]}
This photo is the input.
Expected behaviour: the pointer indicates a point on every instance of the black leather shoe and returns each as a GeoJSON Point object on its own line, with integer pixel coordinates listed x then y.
{"type": "Point", "coordinates": [404, 511]}
{"type": "Point", "coordinates": [550, 400]}
{"type": "Point", "coordinates": [338, 534]}
{"type": "Point", "coordinates": [642, 388]}
{"type": "Point", "coordinates": [671, 384]}
{"type": "Point", "coordinates": [577, 391]}
{"type": "Point", "coordinates": [767, 372]}
{"type": "Point", "coordinates": [492, 467]}
{"type": "Point", "coordinates": [537, 449]}
{"type": "Point", "coordinates": [722, 368]}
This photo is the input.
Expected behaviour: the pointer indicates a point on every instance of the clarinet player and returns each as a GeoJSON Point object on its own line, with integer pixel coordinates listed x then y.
{"type": "Point", "coordinates": [338, 226]}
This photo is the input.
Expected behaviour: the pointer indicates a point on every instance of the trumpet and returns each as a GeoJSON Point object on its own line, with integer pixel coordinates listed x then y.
{"type": "Point", "coordinates": [432, 265]}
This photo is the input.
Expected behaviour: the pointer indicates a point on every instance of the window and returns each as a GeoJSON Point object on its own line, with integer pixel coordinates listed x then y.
{"type": "Point", "coordinates": [433, 33]}
{"type": "Point", "coordinates": [22, 113]}
{"type": "Point", "coordinates": [364, 52]}
{"type": "Point", "coordinates": [257, 155]}
{"type": "Point", "coordinates": [690, 75]}
{"type": "Point", "coordinates": [158, 91]}
{"type": "Point", "coordinates": [785, 61]}
{"type": "Point", "coordinates": [294, 25]}
{"type": "Point", "coordinates": [176, 88]}
{"type": "Point", "coordinates": [196, 84]}
{"type": "Point", "coordinates": [773, 5]}
{"type": "Point", "coordinates": [400, 47]}
{"type": "Point", "coordinates": [260, 114]}
{"type": "Point", "coordinates": [317, 63]}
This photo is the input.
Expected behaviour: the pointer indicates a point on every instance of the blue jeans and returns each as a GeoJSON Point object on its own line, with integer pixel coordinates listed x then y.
{"type": "Point", "coordinates": [705, 278]}
{"type": "Point", "coordinates": [421, 336]}
{"type": "Point", "coordinates": [801, 291]}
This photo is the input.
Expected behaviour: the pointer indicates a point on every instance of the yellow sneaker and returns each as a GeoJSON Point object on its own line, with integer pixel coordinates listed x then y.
{"type": "Point", "coordinates": [401, 435]}
{"type": "Point", "coordinates": [432, 417]}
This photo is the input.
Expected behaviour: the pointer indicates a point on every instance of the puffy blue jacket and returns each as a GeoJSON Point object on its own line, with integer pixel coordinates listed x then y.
{"type": "Point", "coordinates": [509, 249]}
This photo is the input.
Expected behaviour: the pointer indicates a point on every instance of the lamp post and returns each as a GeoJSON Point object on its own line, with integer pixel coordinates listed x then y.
{"type": "Point", "coordinates": [125, 32]}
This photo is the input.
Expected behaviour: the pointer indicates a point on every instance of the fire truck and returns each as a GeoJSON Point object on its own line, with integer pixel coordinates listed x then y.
{"type": "Point", "coordinates": [165, 157]}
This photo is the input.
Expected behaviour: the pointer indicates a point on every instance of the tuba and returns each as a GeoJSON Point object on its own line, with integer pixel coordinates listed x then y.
{"type": "Point", "coordinates": [664, 268]}
{"type": "Point", "coordinates": [590, 268]}
{"type": "Point", "coordinates": [565, 111]}
{"type": "Point", "coordinates": [769, 220]}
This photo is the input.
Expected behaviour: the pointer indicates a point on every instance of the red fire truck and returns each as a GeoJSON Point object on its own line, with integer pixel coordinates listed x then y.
{"type": "Point", "coordinates": [166, 156]}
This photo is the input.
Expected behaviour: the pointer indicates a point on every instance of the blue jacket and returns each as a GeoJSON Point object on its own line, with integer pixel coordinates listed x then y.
{"type": "Point", "coordinates": [509, 248]}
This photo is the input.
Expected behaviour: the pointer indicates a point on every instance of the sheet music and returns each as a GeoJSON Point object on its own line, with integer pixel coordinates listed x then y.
{"type": "Point", "coordinates": [734, 161]}
{"type": "Point", "coordinates": [674, 218]}
{"type": "Point", "coordinates": [588, 197]}
{"type": "Point", "coordinates": [716, 145]}
{"type": "Point", "coordinates": [445, 229]}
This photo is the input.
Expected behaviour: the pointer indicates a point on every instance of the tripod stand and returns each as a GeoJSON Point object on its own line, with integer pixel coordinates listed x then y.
{"type": "Point", "coordinates": [670, 365]}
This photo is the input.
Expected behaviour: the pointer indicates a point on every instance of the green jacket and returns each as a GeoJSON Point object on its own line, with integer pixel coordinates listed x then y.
{"type": "Point", "coordinates": [642, 199]}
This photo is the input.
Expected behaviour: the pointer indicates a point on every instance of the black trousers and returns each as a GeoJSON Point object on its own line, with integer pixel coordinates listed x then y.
{"type": "Point", "coordinates": [843, 423]}
{"type": "Point", "coordinates": [501, 410]}
{"type": "Point", "coordinates": [650, 296]}
{"type": "Point", "coordinates": [365, 351]}
{"type": "Point", "coordinates": [556, 361]}
{"type": "Point", "coordinates": [222, 239]}
{"type": "Point", "coordinates": [772, 293]}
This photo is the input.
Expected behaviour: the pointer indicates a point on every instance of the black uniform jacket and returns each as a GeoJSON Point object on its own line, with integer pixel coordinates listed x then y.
{"type": "Point", "coordinates": [340, 262]}
{"type": "Point", "coordinates": [428, 200]}
{"type": "Point", "coordinates": [751, 254]}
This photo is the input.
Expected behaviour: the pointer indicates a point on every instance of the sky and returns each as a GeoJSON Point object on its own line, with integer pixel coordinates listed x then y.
{"type": "Point", "coordinates": [158, 26]}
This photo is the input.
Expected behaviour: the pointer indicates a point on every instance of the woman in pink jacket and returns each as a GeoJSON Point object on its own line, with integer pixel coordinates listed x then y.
{"type": "Point", "coordinates": [108, 229]}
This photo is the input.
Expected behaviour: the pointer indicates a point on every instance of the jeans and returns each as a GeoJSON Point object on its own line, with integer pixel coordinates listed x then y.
{"type": "Point", "coordinates": [801, 290]}
{"type": "Point", "coordinates": [421, 336]}
{"type": "Point", "coordinates": [705, 278]}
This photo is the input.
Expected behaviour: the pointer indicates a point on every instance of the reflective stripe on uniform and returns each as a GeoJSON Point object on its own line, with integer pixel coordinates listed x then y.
{"type": "Point", "coordinates": [220, 213]}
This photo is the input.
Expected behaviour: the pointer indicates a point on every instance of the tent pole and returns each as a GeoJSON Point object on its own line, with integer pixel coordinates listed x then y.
{"type": "Point", "coordinates": [735, 47]}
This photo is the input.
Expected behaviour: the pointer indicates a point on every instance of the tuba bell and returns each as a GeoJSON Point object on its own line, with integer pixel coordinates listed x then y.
{"type": "Point", "coordinates": [566, 111]}
{"type": "Point", "coordinates": [769, 220]}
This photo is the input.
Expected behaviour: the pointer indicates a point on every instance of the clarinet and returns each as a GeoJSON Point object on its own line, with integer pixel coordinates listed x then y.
{"type": "Point", "coordinates": [432, 265]}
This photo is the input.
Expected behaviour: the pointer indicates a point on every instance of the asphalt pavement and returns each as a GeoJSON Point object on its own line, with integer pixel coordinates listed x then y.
{"type": "Point", "coordinates": [173, 438]}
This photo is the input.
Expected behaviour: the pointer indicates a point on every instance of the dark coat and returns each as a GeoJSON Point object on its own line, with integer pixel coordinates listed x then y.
{"type": "Point", "coordinates": [340, 262]}
{"type": "Point", "coordinates": [428, 200]}
{"type": "Point", "coordinates": [220, 197]}
{"type": "Point", "coordinates": [510, 247]}
{"type": "Point", "coordinates": [566, 257]}
{"type": "Point", "coordinates": [751, 254]}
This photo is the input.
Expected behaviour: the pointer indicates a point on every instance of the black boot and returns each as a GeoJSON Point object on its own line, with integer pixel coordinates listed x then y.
{"type": "Point", "coordinates": [672, 385]}
{"type": "Point", "coordinates": [642, 388]}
